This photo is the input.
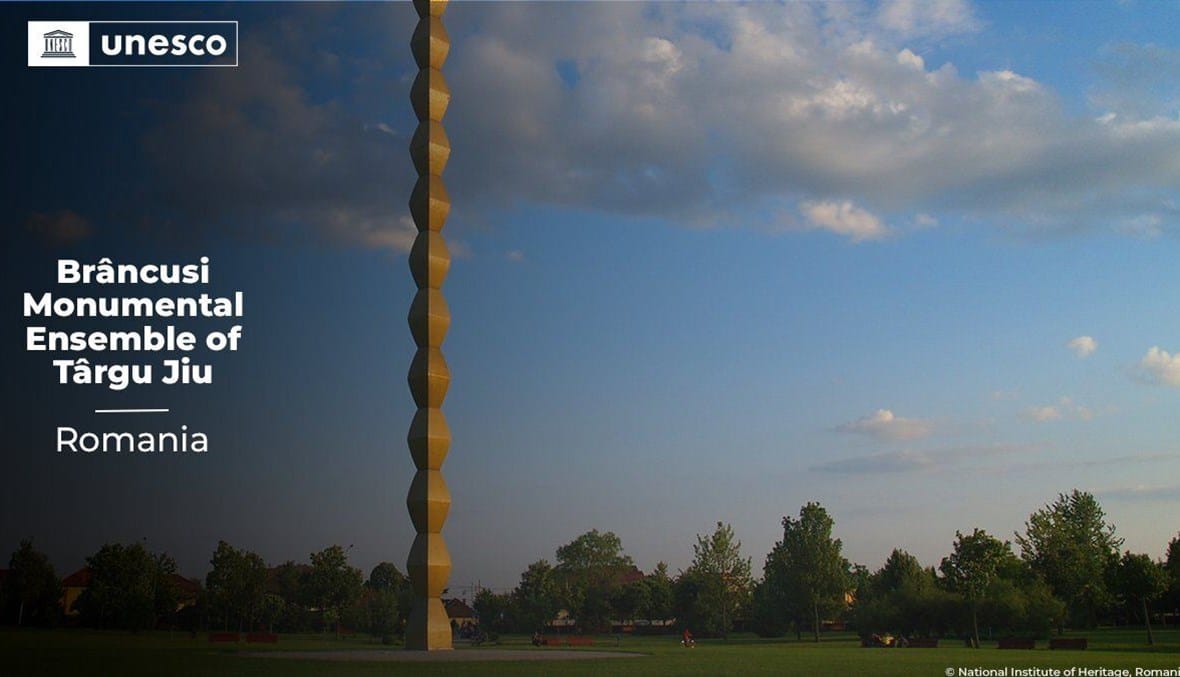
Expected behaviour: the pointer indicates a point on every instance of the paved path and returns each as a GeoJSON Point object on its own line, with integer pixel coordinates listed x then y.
{"type": "Point", "coordinates": [454, 656]}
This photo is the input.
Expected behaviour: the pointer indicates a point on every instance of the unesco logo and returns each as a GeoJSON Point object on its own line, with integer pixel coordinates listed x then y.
{"type": "Point", "coordinates": [58, 44]}
{"type": "Point", "coordinates": [133, 43]}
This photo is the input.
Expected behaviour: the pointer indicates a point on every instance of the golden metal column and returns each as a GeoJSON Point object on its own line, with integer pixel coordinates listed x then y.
{"type": "Point", "coordinates": [429, 500]}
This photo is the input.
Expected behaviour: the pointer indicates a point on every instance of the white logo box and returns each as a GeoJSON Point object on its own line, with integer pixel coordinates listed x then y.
{"type": "Point", "coordinates": [80, 38]}
{"type": "Point", "coordinates": [80, 31]}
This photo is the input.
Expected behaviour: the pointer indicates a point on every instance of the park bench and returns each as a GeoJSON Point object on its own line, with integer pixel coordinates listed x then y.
{"type": "Point", "coordinates": [1068, 643]}
{"type": "Point", "coordinates": [1017, 643]}
{"type": "Point", "coordinates": [224, 637]}
{"type": "Point", "coordinates": [261, 638]}
{"type": "Point", "coordinates": [579, 641]}
{"type": "Point", "coordinates": [923, 643]}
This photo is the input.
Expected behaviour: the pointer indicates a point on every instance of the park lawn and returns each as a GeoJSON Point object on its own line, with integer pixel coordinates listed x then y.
{"type": "Point", "coordinates": [81, 652]}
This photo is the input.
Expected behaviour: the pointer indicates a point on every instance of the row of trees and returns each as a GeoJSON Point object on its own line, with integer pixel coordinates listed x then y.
{"type": "Point", "coordinates": [242, 593]}
{"type": "Point", "coordinates": [592, 580]}
{"type": "Point", "coordinates": [598, 585]}
{"type": "Point", "coordinates": [326, 593]}
{"type": "Point", "coordinates": [1070, 571]}
{"type": "Point", "coordinates": [131, 588]}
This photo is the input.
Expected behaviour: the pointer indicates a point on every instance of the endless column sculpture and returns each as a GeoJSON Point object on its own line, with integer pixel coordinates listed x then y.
{"type": "Point", "coordinates": [429, 500]}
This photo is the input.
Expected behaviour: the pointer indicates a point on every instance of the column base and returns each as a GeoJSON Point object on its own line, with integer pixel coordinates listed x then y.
{"type": "Point", "coordinates": [428, 628]}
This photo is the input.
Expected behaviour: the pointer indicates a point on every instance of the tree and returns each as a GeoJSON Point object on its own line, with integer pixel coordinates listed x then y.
{"type": "Point", "coordinates": [716, 585]}
{"type": "Point", "coordinates": [1141, 580]}
{"type": "Point", "coordinates": [130, 588]}
{"type": "Point", "coordinates": [1172, 559]}
{"type": "Point", "coordinates": [805, 573]}
{"type": "Point", "coordinates": [385, 576]}
{"type": "Point", "coordinates": [536, 597]}
{"type": "Point", "coordinates": [236, 585]}
{"type": "Point", "coordinates": [31, 587]}
{"type": "Point", "coordinates": [769, 616]}
{"type": "Point", "coordinates": [1071, 546]}
{"type": "Point", "coordinates": [286, 580]}
{"type": "Point", "coordinates": [164, 591]}
{"type": "Point", "coordinates": [900, 568]}
{"type": "Point", "coordinates": [976, 562]}
{"type": "Point", "coordinates": [494, 609]}
{"type": "Point", "coordinates": [593, 552]}
{"type": "Point", "coordinates": [901, 598]}
{"type": "Point", "coordinates": [589, 569]}
{"type": "Point", "coordinates": [659, 594]}
{"type": "Point", "coordinates": [1172, 570]}
{"type": "Point", "coordinates": [271, 609]}
{"type": "Point", "coordinates": [1020, 605]}
{"type": "Point", "coordinates": [907, 600]}
{"type": "Point", "coordinates": [387, 601]}
{"type": "Point", "coordinates": [332, 583]}
{"type": "Point", "coordinates": [631, 599]}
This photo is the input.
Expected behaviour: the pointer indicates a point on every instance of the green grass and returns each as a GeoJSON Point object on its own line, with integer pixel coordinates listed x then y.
{"type": "Point", "coordinates": [81, 652]}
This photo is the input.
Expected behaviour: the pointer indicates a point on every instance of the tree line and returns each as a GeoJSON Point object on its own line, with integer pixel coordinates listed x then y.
{"type": "Point", "coordinates": [1069, 571]}
{"type": "Point", "coordinates": [127, 587]}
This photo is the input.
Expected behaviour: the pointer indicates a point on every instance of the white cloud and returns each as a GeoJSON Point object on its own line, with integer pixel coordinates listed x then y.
{"type": "Point", "coordinates": [1159, 366]}
{"type": "Point", "coordinates": [933, 18]}
{"type": "Point", "coordinates": [459, 249]}
{"type": "Point", "coordinates": [901, 461]}
{"type": "Point", "coordinates": [1057, 465]}
{"type": "Point", "coordinates": [1009, 83]}
{"type": "Point", "coordinates": [1142, 226]}
{"type": "Point", "coordinates": [381, 127]}
{"type": "Point", "coordinates": [395, 234]}
{"type": "Point", "coordinates": [884, 425]}
{"type": "Point", "coordinates": [1043, 414]}
{"type": "Point", "coordinates": [907, 58]}
{"type": "Point", "coordinates": [844, 218]}
{"type": "Point", "coordinates": [1082, 346]}
{"type": "Point", "coordinates": [911, 460]}
{"type": "Point", "coordinates": [838, 101]}
{"type": "Point", "coordinates": [257, 155]}
{"type": "Point", "coordinates": [923, 220]}
{"type": "Point", "coordinates": [1082, 412]}
{"type": "Point", "coordinates": [1136, 80]}
{"type": "Point", "coordinates": [699, 111]}
{"type": "Point", "coordinates": [1142, 493]}
{"type": "Point", "coordinates": [515, 256]}
{"type": "Point", "coordinates": [1064, 409]}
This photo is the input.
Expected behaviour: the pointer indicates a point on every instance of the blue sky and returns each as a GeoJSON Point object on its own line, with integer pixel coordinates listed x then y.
{"type": "Point", "coordinates": [915, 261]}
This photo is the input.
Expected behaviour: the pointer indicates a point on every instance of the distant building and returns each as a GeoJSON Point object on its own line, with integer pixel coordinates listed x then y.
{"type": "Point", "coordinates": [563, 619]}
{"type": "Point", "coordinates": [188, 590]}
{"type": "Point", "coordinates": [72, 588]}
{"type": "Point", "coordinates": [630, 575]}
{"type": "Point", "coordinates": [460, 613]}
